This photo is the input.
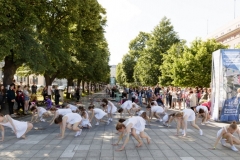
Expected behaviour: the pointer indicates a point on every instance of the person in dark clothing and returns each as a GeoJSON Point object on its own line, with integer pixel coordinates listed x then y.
{"type": "Point", "coordinates": [44, 93]}
{"type": "Point", "coordinates": [77, 93]}
{"type": "Point", "coordinates": [11, 99]}
{"type": "Point", "coordinates": [20, 98]}
{"type": "Point", "coordinates": [34, 89]}
{"type": "Point", "coordinates": [57, 96]}
{"type": "Point", "coordinates": [2, 97]}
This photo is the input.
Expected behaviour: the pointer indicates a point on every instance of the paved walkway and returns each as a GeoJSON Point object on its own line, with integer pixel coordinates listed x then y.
{"type": "Point", "coordinates": [95, 144]}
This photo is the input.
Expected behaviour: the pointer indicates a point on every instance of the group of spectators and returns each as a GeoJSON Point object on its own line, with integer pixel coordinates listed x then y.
{"type": "Point", "coordinates": [169, 96]}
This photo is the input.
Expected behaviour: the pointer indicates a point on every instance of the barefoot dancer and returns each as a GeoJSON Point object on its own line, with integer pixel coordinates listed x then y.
{"type": "Point", "coordinates": [111, 108]}
{"type": "Point", "coordinates": [41, 113]}
{"type": "Point", "coordinates": [71, 121]}
{"type": "Point", "coordinates": [129, 126]}
{"type": "Point", "coordinates": [56, 112]}
{"type": "Point", "coordinates": [19, 128]}
{"type": "Point", "coordinates": [225, 135]}
{"type": "Point", "coordinates": [99, 114]}
{"type": "Point", "coordinates": [203, 111]}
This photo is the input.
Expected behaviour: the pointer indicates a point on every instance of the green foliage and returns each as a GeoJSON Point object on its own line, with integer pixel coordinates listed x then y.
{"type": "Point", "coordinates": [120, 76]}
{"type": "Point", "coordinates": [191, 66]}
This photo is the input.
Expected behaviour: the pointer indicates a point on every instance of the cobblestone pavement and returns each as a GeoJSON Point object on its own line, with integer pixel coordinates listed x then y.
{"type": "Point", "coordinates": [95, 144]}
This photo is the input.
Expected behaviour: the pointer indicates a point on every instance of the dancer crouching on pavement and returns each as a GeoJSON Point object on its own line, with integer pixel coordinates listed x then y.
{"type": "Point", "coordinates": [126, 106]}
{"type": "Point", "coordinates": [203, 111]}
{"type": "Point", "coordinates": [41, 113]}
{"type": "Point", "coordinates": [182, 118]}
{"type": "Point", "coordinates": [132, 126]}
{"type": "Point", "coordinates": [111, 108]}
{"type": "Point", "coordinates": [56, 112]}
{"type": "Point", "coordinates": [19, 128]}
{"type": "Point", "coordinates": [99, 114]}
{"type": "Point", "coordinates": [71, 121]}
{"type": "Point", "coordinates": [85, 118]}
{"type": "Point", "coordinates": [225, 135]}
{"type": "Point", "coordinates": [156, 111]}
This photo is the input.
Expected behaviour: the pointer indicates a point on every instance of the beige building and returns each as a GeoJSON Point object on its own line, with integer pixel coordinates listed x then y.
{"type": "Point", "coordinates": [229, 34]}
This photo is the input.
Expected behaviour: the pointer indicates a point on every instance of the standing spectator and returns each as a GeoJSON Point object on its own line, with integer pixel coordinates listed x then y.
{"type": "Point", "coordinates": [149, 95]}
{"type": "Point", "coordinates": [11, 99]}
{"type": "Point", "coordinates": [14, 84]}
{"type": "Point", "coordinates": [57, 96]}
{"type": "Point", "coordinates": [77, 93]}
{"type": "Point", "coordinates": [20, 99]}
{"type": "Point", "coordinates": [179, 98]}
{"type": "Point", "coordinates": [140, 93]}
{"type": "Point", "coordinates": [157, 90]}
{"type": "Point", "coordinates": [44, 93]}
{"type": "Point", "coordinates": [26, 99]}
{"type": "Point", "coordinates": [34, 89]}
{"type": "Point", "coordinates": [2, 97]}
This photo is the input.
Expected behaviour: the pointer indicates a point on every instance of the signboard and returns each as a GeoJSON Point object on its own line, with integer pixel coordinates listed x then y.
{"type": "Point", "coordinates": [225, 82]}
{"type": "Point", "coordinates": [112, 81]}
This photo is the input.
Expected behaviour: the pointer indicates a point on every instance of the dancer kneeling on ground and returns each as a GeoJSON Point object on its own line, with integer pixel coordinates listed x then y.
{"type": "Point", "coordinates": [71, 121]}
{"type": "Point", "coordinates": [156, 111]}
{"type": "Point", "coordinates": [85, 118]}
{"type": "Point", "coordinates": [19, 128]}
{"type": "Point", "coordinates": [203, 111]}
{"type": "Point", "coordinates": [99, 114]}
{"type": "Point", "coordinates": [41, 114]}
{"type": "Point", "coordinates": [126, 106]}
{"type": "Point", "coordinates": [182, 118]}
{"type": "Point", "coordinates": [72, 107]}
{"type": "Point", "coordinates": [225, 135]}
{"type": "Point", "coordinates": [132, 125]}
{"type": "Point", "coordinates": [56, 112]}
{"type": "Point", "coordinates": [111, 108]}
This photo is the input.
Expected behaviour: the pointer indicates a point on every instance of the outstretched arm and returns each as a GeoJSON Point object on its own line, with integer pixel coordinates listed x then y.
{"type": "Point", "coordinates": [119, 139]}
{"type": "Point", "coordinates": [54, 116]}
{"type": "Point", "coordinates": [2, 128]}
{"type": "Point", "coordinates": [63, 127]}
{"type": "Point", "coordinates": [11, 122]}
{"type": "Point", "coordinates": [91, 116]}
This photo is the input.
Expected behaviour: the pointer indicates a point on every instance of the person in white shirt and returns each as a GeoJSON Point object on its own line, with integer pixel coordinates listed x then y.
{"type": "Point", "coordinates": [156, 111]}
{"type": "Point", "coordinates": [56, 112]}
{"type": "Point", "coordinates": [203, 111]}
{"type": "Point", "coordinates": [39, 112]}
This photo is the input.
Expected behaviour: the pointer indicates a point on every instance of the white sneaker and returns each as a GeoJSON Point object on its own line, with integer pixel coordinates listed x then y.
{"type": "Point", "coordinates": [200, 132]}
{"type": "Point", "coordinates": [208, 122]}
{"type": "Point", "coordinates": [111, 119]}
{"type": "Point", "coordinates": [202, 124]}
{"type": "Point", "coordinates": [108, 122]}
{"type": "Point", "coordinates": [97, 124]}
{"type": "Point", "coordinates": [223, 142]}
{"type": "Point", "coordinates": [77, 133]}
{"type": "Point", "coordinates": [160, 120]}
{"type": "Point", "coordinates": [234, 148]}
{"type": "Point", "coordinates": [183, 131]}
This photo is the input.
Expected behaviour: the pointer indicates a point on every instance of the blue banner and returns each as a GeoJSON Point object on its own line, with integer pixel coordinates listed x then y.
{"type": "Point", "coordinates": [230, 110]}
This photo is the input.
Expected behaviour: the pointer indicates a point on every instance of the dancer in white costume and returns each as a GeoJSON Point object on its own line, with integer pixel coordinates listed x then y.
{"type": "Point", "coordinates": [19, 128]}
{"type": "Point", "coordinates": [85, 118]}
{"type": "Point", "coordinates": [111, 108]}
{"type": "Point", "coordinates": [156, 111]}
{"type": "Point", "coordinates": [203, 111]}
{"type": "Point", "coordinates": [73, 108]}
{"type": "Point", "coordinates": [99, 114]}
{"type": "Point", "coordinates": [183, 117]}
{"type": "Point", "coordinates": [71, 121]}
{"type": "Point", "coordinates": [56, 112]}
{"type": "Point", "coordinates": [136, 108]}
{"type": "Point", "coordinates": [132, 125]}
{"type": "Point", "coordinates": [126, 106]}
{"type": "Point", "coordinates": [41, 113]}
{"type": "Point", "coordinates": [225, 135]}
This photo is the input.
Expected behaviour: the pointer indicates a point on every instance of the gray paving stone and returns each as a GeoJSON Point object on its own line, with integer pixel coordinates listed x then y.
{"type": "Point", "coordinates": [181, 153]}
{"type": "Point", "coordinates": [106, 153]}
{"type": "Point", "coordinates": [169, 153]}
{"type": "Point", "coordinates": [81, 154]}
{"type": "Point", "coordinates": [83, 147]}
{"type": "Point", "coordinates": [42, 153]}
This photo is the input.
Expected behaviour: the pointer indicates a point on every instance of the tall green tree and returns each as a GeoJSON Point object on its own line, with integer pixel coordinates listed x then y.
{"type": "Point", "coordinates": [120, 76]}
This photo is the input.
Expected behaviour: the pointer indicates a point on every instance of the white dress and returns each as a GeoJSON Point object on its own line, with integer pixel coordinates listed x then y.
{"type": "Point", "coordinates": [85, 121]}
{"type": "Point", "coordinates": [127, 105]}
{"type": "Point", "coordinates": [202, 107]}
{"type": "Point", "coordinates": [137, 122]}
{"type": "Point", "coordinates": [157, 109]}
{"type": "Point", "coordinates": [190, 114]}
{"type": "Point", "coordinates": [140, 112]}
{"type": "Point", "coordinates": [64, 111]}
{"type": "Point", "coordinates": [41, 110]}
{"type": "Point", "coordinates": [136, 106]}
{"type": "Point", "coordinates": [165, 118]}
{"type": "Point", "coordinates": [21, 127]}
{"type": "Point", "coordinates": [111, 105]}
{"type": "Point", "coordinates": [73, 108]}
{"type": "Point", "coordinates": [73, 118]}
{"type": "Point", "coordinates": [99, 114]}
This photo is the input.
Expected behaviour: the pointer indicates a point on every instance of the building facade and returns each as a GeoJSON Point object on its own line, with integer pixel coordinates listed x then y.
{"type": "Point", "coordinates": [229, 34]}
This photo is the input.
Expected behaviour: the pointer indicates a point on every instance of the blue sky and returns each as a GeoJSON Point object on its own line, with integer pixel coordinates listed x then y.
{"type": "Point", "coordinates": [126, 18]}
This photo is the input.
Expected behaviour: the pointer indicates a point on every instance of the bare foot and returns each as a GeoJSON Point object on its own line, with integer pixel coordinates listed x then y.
{"type": "Point", "coordinates": [139, 144]}
{"type": "Point", "coordinates": [148, 140]}
{"type": "Point", "coordinates": [23, 137]}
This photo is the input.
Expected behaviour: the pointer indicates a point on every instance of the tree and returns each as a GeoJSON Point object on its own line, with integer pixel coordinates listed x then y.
{"type": "Point", "coordinates": [162, 38]}
{"type": "Point", "coordinates": [18, 37]}
{"type": "Point", "coordinates": [120, 76]}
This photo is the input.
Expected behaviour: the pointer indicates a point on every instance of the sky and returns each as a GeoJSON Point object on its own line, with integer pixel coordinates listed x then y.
{"type": "Point", "coordinates": [190, 18]}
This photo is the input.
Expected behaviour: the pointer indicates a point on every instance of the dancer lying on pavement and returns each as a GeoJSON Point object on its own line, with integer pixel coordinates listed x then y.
{"type": "Point", "coordinates": [132, 126]}
{"type": "Point", "coordinates": [71, 121]}
{"type": "Point", "coordinates": [56, 112]}
{"type": "Point", "coordinates": [225, 135]}
{"type": "Point", "coordinates": [19, 128]}
{"type": "Point", "coordinates": [99, 114]}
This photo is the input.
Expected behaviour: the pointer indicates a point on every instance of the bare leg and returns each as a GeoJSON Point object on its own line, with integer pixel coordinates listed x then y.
{"type": "Point", "coordinates": [194, 125]}
{"type": "Point", "coordinates": [137, 138]}
{"type": "Point", "coordinates": [144, 135]}
{"type": "Point", "coordinates": [29, 128]}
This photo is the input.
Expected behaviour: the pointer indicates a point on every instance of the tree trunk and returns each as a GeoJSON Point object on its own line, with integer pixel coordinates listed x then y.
{"type": "Point", "coordinates": [95, 89]}
{"type": "Point", "coordinates": [83, 89]}
{"type": "Point", "coordinates": [48, 80]}
{"type": "Point", "coordinates": [78, 82]}
{"type": "Point", "coordinates": [9, 70]}
{"type": "Point", "coordinates": [69, 83]}
{"type": "Point", "coordinates": [88, 88]}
